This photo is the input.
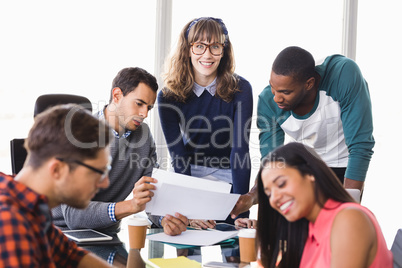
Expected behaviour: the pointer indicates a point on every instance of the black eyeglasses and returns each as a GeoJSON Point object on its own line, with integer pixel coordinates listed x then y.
{"type": "Point", "coordinates": [104, 173]}
{"type": "Point", "coordinates": [216, 49]}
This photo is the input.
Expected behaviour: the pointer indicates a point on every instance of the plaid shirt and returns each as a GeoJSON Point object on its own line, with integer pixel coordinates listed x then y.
{"type": "Point", "coordinates": [27, 236]}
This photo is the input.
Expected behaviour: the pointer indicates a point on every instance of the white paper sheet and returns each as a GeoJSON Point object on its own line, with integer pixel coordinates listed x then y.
{"type": "Point", "coordinates": [212, 254]}
{"type": "Point", "coordinates": [164, 176]}
{"type": "Point", "coordinates": [194, 237]}
{"type": "Point", "coordinates": [193, 197]}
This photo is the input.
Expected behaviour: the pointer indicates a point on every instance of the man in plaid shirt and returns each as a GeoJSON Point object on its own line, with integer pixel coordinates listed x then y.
{"type": "Point", "coordinates": [68, 162]}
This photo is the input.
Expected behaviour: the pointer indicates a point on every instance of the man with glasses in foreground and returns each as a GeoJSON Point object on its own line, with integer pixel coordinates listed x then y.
{"type": "Point", "coordinates": [68, 162]}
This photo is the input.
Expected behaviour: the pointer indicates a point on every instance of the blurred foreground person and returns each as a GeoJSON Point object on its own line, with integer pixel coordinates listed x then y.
{"type": "Point", "coordinates": [67, 163]}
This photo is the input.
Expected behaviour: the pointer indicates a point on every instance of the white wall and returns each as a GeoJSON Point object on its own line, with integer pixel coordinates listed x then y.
{"type": "Point", "coordinates": [378, 54]}
{"type": "Point", "coordinates": [74, 47]}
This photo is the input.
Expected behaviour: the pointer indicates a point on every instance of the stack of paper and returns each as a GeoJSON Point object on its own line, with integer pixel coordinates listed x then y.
{"type": "Point", "coordinates": [192, 197]}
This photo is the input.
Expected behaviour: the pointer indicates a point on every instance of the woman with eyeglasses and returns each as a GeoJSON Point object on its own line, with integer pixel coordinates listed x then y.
{"type": "Point", "coordinates": [205, 108]}
{"type": "Point", "coordinates": [307, 219]}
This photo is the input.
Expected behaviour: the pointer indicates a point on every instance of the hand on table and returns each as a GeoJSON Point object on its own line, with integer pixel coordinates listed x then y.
{"type": "Point", "coordinates": [246, 223]}
{"type": "Point", "coordinates": [174, 225]}
{"type": "Point", "coordinates": [202, 224]}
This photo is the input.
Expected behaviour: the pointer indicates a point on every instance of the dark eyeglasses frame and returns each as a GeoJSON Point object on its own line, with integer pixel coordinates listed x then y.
{"type": "Point", "coordinates": [104, 173]}
{"type": "Point", "coordinates": [207, 47]}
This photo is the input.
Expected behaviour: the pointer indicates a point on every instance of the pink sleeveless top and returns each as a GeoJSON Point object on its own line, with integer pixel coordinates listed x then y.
{"type": "Point", "coordinates": [317, 250]}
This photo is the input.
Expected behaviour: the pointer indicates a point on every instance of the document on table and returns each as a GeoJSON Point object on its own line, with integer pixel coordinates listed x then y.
{"type": "Point", "coordinates": [194, 237]}
{"type": "Point", "coordinates": [192, 197]}
{"type": "Point", "coordinates": [179, 262]}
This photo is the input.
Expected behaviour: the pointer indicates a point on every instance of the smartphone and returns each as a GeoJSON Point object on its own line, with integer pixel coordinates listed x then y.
{"type": "Point", "coordinates": [221, 226]}
{"type": "Point", "coordinates": [86, 235]}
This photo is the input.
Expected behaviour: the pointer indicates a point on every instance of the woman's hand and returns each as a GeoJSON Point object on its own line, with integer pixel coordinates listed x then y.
{"type": "Point", "coordinates": [246, 223]}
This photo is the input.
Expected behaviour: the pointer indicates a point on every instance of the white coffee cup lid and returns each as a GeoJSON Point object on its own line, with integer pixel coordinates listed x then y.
{"type": "Point", "coordinates": [137, 221]}
{"type": "Point", "coordinates": [248, 233]}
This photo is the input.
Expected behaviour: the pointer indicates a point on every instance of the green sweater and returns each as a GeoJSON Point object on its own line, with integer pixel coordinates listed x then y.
{"type": "Point", "coordinates": [340, 125]}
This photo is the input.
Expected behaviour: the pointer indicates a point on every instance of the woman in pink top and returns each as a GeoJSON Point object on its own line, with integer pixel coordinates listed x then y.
{"type": "Point", "coordinates": [309, 219]}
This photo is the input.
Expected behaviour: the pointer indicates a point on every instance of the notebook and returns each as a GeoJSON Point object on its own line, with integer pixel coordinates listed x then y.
{"type": "Point", "coordinates": [179, 262]}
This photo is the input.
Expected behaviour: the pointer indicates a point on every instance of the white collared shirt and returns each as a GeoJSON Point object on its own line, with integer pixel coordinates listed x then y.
{"type": "Point", "coordinates": [101, 115]}
{"type": "Point", "coordinates": [211, 88]}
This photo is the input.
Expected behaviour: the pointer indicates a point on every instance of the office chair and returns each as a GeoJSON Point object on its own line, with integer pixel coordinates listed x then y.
{"type": "Point", "coordinates": [46, 101]}
{"type": "Point", "coordinates": [18, 152]}
{"type": "Point", "coordinates": [396, 249]}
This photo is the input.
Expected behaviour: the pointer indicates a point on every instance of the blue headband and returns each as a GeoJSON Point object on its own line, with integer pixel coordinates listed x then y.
{"type": "Point", "coordinates": [224, 29]}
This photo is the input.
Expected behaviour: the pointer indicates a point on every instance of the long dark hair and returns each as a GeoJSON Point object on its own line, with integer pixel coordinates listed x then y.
{"type": "Point", "coordinates": [274, 233]}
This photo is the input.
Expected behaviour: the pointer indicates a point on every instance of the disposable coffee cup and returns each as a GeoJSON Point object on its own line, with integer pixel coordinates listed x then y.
{"type": "Point", "coordinates": [247, 245]}
{"type": "Point", "coordinates": [137, 230]}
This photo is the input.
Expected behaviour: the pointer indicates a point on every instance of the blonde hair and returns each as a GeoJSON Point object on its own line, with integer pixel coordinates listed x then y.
{"type": "Point", "coordinates": [179, 75]}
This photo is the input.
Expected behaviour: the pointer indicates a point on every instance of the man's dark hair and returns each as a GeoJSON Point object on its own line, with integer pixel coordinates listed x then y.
{"type": "Point", "coordinates": [296, 62]}
{"type": "Point", "coordinates": [66, 131]}
{"type": "Point", "coordinates": [128, 79]}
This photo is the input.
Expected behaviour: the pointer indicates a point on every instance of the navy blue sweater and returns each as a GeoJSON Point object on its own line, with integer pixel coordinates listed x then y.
{"type": "Point", "coordinates": [208, 131]}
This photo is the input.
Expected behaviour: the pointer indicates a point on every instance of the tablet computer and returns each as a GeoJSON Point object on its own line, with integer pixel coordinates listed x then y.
{"type": "Point", "coordinates": [86, 235]}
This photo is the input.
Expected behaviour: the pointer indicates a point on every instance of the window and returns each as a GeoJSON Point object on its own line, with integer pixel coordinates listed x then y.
{"type": "Point", "coordinates": [74, 47]}
{"type": "Point", "coordinates": [378, 55]}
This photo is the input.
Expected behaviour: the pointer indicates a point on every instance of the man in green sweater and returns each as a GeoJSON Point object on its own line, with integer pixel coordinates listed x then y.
{"type": "Point", "coordinates": [325, 106]}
